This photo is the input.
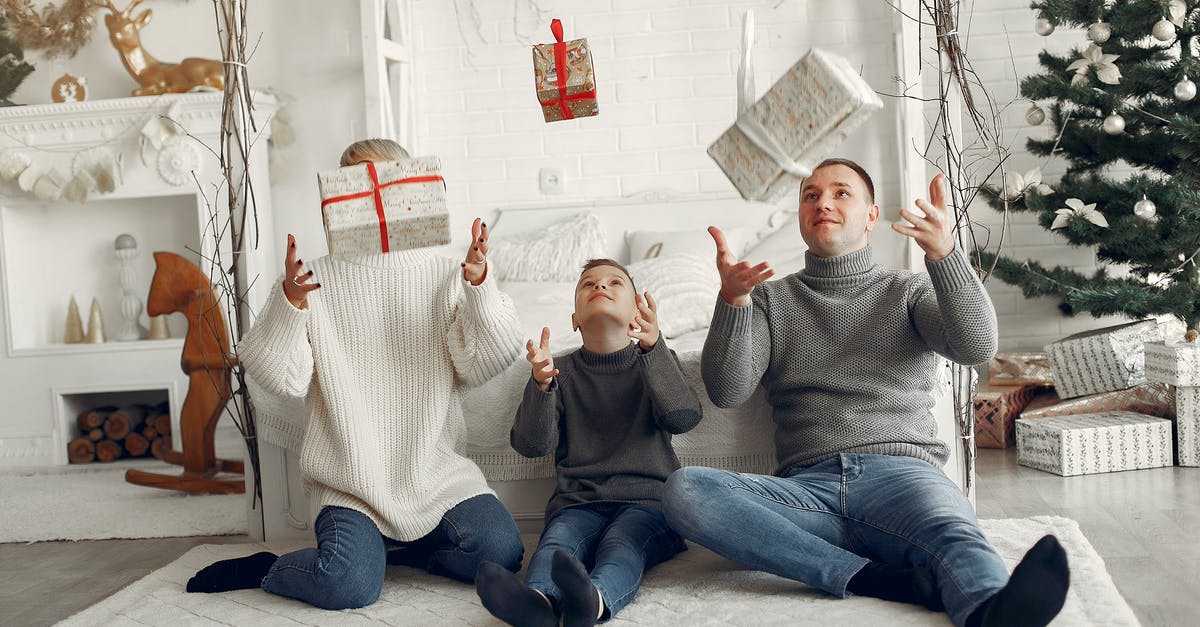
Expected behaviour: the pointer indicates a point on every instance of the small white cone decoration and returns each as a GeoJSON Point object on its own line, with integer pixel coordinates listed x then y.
{"type": "Point", "coordinates": [95, 330]}
{"type": "Point", "coordinates": [74, 331]}
{"type": "Point", "coordinates": [158, 328]}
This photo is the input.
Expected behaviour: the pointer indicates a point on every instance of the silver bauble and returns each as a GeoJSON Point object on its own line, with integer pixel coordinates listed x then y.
{"type": "Point", "coordinates": [1114, 124]}
{"type": "Point", "coordinates": [1163, 30]}
{"type": "Point", "coordinates": [1099, 32]}
{"type": "Point", "coordinates": [1043, 26]}
{"type": "Point", "coordinates": [1035, 115]}
{"type": "Point", "coordinates": [1185, 89]}
{"type": "Point", "coordinates": [1145, 209]}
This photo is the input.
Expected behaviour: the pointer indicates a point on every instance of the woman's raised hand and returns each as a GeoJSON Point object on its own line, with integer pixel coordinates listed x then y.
{"type": "Point", "coordinates": [296, 284]}
{"type": "Point", "coordinates": [475, 265]}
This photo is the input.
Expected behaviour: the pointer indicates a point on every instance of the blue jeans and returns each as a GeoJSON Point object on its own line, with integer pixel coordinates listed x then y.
{"type": "Point", "coordinates": [617, 542]}
{"type": "Point", "coordinates": [347, 567]}
{"type": "Point", "coordinates": [821, 524]}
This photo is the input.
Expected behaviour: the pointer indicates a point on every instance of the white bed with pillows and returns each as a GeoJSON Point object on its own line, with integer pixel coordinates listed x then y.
{"type": "Point", "coordinates": [536, 254]}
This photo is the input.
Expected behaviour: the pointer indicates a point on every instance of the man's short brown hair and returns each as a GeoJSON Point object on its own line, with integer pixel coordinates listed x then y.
{"type": "Point", "coordinates": [595, 263]}
{"type": "Point", "coordinates": [858, 169]}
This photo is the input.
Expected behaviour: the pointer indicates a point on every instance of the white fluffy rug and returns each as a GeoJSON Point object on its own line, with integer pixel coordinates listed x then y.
{"type": "Point", "coordinates": [695, 588]}
{"type": "Point", "coordinates": [94, 502]}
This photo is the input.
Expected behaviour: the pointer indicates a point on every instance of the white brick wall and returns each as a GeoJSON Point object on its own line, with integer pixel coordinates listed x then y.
{"type": "Point", "coordinates": [666, 83]}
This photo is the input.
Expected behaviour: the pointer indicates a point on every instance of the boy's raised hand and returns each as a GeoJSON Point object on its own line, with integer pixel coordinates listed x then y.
{"type": "Point", "coordinates": [475, 265]}
{"type": "Point", "coordinates": [295, 283]}
{"type": "Point", "coordinates": [542, 361]}
{"type": "Point", "coordinates": [738, 278]}
{"type": "Point", "coordinates": [645, 322]}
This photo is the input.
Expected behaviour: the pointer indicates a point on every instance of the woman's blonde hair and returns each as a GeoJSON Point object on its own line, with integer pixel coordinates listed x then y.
{"type": "Point", "coordinates": [373, 150]}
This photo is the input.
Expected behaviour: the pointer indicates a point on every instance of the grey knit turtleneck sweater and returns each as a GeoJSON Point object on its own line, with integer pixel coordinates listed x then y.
{"type": "Point", "coordinates": [847, 352]}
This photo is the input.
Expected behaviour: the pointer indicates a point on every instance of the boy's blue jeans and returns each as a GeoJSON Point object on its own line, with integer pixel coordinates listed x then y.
{"type": "Point", "coordinates": [347, 567]}
{"type": "Point", "coordinates": [617, 542]}
{"type": "Point", "coordinates": [820, 524]}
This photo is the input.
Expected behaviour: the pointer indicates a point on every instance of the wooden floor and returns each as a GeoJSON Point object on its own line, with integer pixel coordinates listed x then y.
{"type": "Point", "coordinates": [1144, 523]}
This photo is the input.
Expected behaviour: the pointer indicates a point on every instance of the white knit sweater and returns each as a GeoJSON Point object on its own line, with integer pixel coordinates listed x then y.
{"type": "Point", "coordinates": [379, 359]}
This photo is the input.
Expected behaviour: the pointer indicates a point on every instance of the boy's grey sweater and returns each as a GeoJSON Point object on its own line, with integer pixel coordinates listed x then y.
{"type": "Point", "coordinates": [608, 419]}
{"type": "Point", "coordinates": [847, 352]}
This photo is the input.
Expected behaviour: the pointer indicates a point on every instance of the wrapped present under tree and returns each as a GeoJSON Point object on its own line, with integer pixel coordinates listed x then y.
{"type": "Point", "coordinates": [564, 77]}
{"type": "Point", "coordinates": [996, 409]}
{"type": "Point", "coordinates": [1152, 399]}
{"type": "Point", "coordinates": [1102, 360]}
{"type": "Point", "coordinates": [1178, 364]}
{"type": "Point", "coordinates": [1094, 443]}
{"type": "Point", "coordinates": [373, 208]}
{"type": "Point", "coordinates": [1020, 368]}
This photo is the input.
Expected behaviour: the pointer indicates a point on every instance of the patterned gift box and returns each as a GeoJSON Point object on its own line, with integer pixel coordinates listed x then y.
{"type": "Point", "coordinates": [1020, 367]}
{"type": "Point", "coordinates": [1179, 364]}
{"type": "Point", "coordinates": [1102, 360]}
{"type": "Point", "coordinates": [996, 408]}
{"type": "Point", "coordinates": [564, 78]}
{"type": "Point", "coordinates": [1093, 443]}
{"type": "Point", "coordinates": [381, 207]}
{"type": "Point", "coordinates": [802, 118]}
{"type": "Point", "coordinates": [1153, 399]}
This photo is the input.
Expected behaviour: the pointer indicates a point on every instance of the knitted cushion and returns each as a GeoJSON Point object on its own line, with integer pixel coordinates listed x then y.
{"type": "Point", "coordinates": [555, 253]}
{"type": "Point", "coordinates": [684, 287]}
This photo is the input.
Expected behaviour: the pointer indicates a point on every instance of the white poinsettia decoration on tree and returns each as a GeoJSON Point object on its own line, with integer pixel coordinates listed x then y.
{"type": "Point", "coordinates": [1094, 58]}
{"type": "Point", "coordinates": [1076, 209]}
{"type": "Point", "coordinates": [1016, 183]}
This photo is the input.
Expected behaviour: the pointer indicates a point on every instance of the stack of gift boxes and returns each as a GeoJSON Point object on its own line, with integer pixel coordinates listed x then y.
{"type": "Point", "coordinates": [1099, 401]}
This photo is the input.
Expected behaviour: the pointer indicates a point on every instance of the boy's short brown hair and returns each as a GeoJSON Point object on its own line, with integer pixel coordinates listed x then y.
{"type": "Point", "coordinates": [595, 263]}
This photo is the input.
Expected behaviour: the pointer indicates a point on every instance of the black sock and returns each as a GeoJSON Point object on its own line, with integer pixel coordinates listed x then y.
{"type": "Point", "coordinates": [1035, 593]}
{"type": "Point", "coordinates": [896, 583]}
{"type": "Point", "coordinates": [510, 600]}
{"type": "Point", "coordinates": [580, 600]}
{"type": "Point", "coordinates": [240, 573]}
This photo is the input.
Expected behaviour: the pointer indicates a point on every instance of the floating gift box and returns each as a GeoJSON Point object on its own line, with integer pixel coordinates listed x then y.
{"type": "Point", "coordinates": [805, 115]}
{"type": "Point", "coordinates": [1093, 443]}
{"type": "Point", "coordinates": [564, 78]}
{"type": "Point", "coordinates": [1153, 399]}
{"type": "Point", "coordinates": [373, 208]}
{"type": "Point", "coordinates": [1020, 368]}
{"type": "Point", "coordinates": [996, 407]}
{"type": "Point", "coordinates": [1103, 360]}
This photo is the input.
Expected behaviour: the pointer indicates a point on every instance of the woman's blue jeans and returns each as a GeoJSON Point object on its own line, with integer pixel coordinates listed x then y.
{"type": "Point", "coordinates": [820, 524]}
{"type": "Point", "coordinates": [616, 542]}
{"type": "Point", "coordinates": [346, 568]}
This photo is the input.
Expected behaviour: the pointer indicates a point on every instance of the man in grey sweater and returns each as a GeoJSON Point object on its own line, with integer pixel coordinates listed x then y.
{"type": "Point", "coordinates": [848, 354]}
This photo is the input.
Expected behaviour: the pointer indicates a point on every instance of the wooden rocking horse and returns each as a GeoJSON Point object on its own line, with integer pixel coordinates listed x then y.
{"type": "Point", "coordinates": [179, 285]}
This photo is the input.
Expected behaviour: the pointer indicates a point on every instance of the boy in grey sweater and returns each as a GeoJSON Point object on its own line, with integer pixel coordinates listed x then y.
{"type": "Point", "coordinates": [848, 354]}
{"type": "Point", "coordinates": [607, 411]}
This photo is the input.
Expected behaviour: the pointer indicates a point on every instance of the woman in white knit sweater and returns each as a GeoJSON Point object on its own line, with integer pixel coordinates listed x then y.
{"type": "Point", "coordinates": [379, 347]}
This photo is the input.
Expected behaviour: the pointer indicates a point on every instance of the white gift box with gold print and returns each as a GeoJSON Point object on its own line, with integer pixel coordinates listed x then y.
{"type": "Point", "coordinates": [382, 207]}
{"type": "Point", "coordinates": [1179, 364]}
{"type": "Point", "coordinates": [1093, 443]}
{"type": "Point", "coordinates": [1103, 360]}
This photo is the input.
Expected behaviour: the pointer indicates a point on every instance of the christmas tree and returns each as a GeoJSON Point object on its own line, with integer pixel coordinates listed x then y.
{"type": "Point", "coordinates": [13, 68]}
{"type": "Point", "coordinates": [1125, 119]}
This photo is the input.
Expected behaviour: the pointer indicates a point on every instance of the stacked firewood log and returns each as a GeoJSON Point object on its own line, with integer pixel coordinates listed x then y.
{"type": "Point", "coordinates": [109, 433]}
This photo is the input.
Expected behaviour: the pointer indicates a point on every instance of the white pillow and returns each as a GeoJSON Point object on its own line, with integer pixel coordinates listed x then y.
{"type": "Point", "coordinates": [555, 253]}
{"type": "Point", "coordinates": [783, 248]}
{"type": "Point", "coordinates": [544, 304]}
{"type": "Point", "coordinates": [695, 241]}
{"type": "Point", "coordinates": [684, 287]}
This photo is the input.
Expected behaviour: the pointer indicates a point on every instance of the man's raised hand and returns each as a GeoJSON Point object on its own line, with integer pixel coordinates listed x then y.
{"type": "Point", "coordinates": [933, 232]}
{"type": "Point", "coordinates": [738, 278]}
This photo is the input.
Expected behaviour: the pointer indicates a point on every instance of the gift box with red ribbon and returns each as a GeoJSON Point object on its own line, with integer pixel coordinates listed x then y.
{"type": "Point", "coordinates": [382, 207]}
{"type": "Point", "coordinates": [563, 77]}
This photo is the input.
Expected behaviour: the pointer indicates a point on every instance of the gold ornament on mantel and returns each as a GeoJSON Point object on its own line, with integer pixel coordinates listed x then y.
{"type": "Point", "coordinates": [69, 89]}
{"type": "Point", "coordinates": [156, 77]}
{"type": "Point", "coordinates": [59, 31]}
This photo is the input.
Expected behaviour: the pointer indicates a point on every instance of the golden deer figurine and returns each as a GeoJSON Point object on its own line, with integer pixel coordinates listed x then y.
{"type": "Point", "coordinates": [155, 77]}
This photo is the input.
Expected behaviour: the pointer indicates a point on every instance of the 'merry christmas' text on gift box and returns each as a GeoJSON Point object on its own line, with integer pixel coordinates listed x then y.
{"type": "Point", "coordinates": [383, 207]}
{"type": "Point", "coordinates": [996, 407]}
{"type": "Point", "coordinates": [564, 78]}
{"type": "Point", "coordinates": [805, 115]}
{"type": "Point", "coordinates": [1092, 443]}
{"type": "Point", "coordinates": [1103, 360]}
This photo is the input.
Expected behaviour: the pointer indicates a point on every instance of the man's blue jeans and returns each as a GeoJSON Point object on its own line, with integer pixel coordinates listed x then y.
{"type": "Point", "coordinates": [347, 567]}
{"type": "Point", "coordinates": [821, 524]}
{"type": "Point", "coordinates": [616, 542]}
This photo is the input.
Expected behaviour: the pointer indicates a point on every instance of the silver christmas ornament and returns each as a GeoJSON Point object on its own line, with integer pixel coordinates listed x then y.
{"type": "Point", "coordinates": [1043, 26]}
{"type": "Point", "coordinates": [1163, 30]}
{"type": "Point", "coordinates": [1114, 124]}
{"type": "Point", "coordinates": [1099, 32]}
{"type": "Point", "coordinates": [1185, 89]}
{"type": "Point", "coordinates": [1145, 209]}
{"type": "Point", "coordinates": [1035, 115]}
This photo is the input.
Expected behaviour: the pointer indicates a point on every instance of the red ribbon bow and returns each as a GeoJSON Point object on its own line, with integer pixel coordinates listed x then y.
{"type": "Point", "coordinates": [561, 71]}
{"type": "Point", "coordinates": [375, 189]}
